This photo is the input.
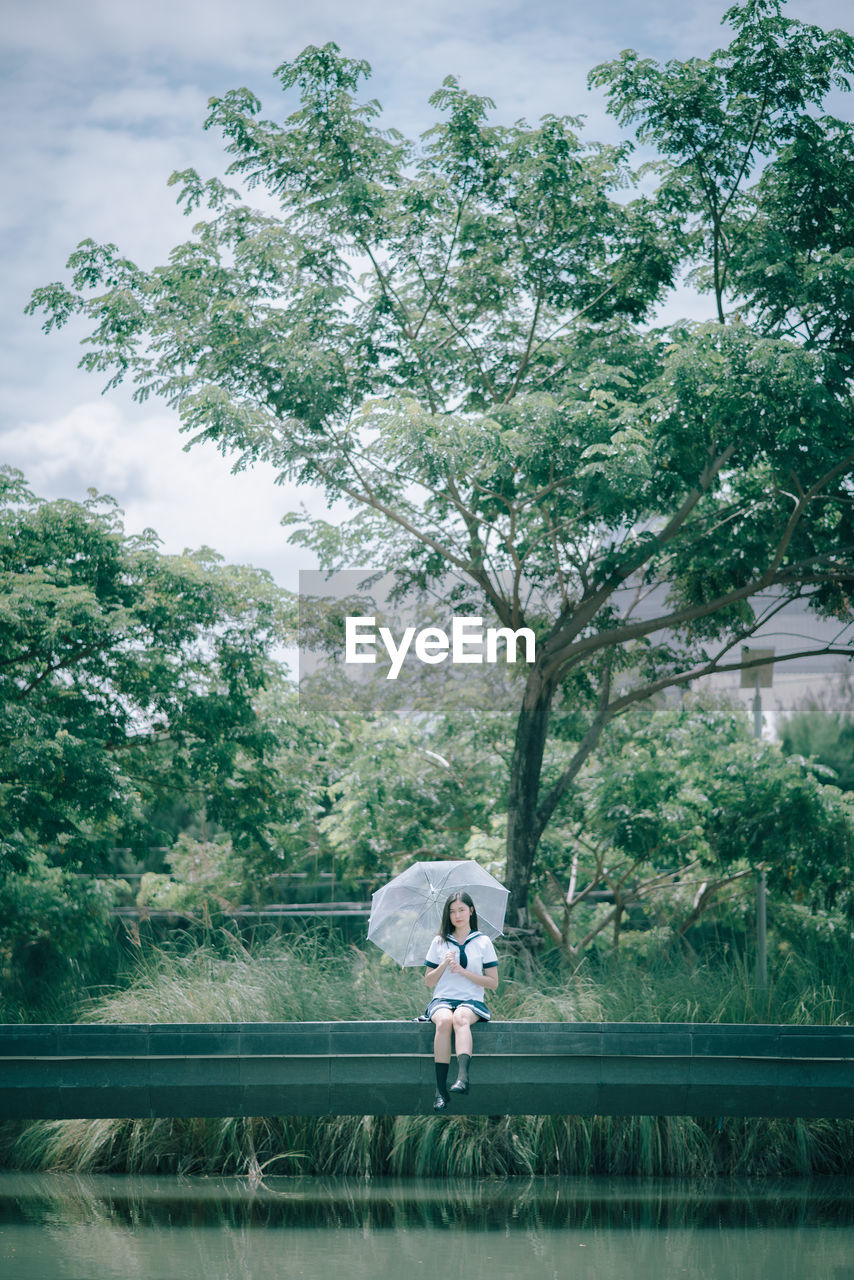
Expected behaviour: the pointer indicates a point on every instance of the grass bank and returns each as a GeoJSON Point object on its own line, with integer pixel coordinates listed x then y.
{"type": "Point", "coordinates": [224, 981]}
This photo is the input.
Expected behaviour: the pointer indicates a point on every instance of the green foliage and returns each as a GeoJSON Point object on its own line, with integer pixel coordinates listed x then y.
{"type": "Point", "coordinates": [202, 873]}
{"type": "Point", "coordinates": [717, 121]}
{"type": "Point", "coordinates": [411, 767]}
{"type": "Point", "coordinates": [55, 933]}
{"type": "Point", "coordinates": [794, 263]}
{"type": "Point", "coordinates": [127, 677]}
{"type": "Point", "coordinates": [693, 783]}
{"type": "Point", "coordinates": [681, 807]}
{"type": "Point", "coordinates": [825, 737]}
{"type": "Point", "coordinates": [130, 681]}
{"type": "Point", "coordinates": [484, 396]}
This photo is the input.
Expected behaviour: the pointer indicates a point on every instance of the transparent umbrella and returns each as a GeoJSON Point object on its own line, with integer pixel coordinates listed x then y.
{"type": "Point", "coordinates": [406, 912]}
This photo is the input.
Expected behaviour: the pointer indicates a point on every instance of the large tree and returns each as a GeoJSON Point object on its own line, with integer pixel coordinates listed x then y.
{"type": "Point", "coordinates": [449, 335]}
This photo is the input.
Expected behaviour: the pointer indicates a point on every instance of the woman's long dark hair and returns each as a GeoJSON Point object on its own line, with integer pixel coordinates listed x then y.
{"type": "Point", "coordinates": [445, 929]}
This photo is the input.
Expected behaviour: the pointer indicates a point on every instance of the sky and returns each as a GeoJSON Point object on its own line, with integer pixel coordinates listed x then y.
{"type": "Point", "coordinates": [101, 100]}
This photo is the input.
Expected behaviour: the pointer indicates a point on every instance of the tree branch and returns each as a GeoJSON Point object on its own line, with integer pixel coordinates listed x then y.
{"type": "Point", "coordinates": [569, 653]}
{"type": "Point", "coordinates": [589, 607]}
{"type": "Point", "coordinates": [713, 668]}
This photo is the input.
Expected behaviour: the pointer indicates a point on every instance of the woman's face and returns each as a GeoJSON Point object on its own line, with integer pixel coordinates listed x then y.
{"type": "Point", "coordinates": [460, 914]}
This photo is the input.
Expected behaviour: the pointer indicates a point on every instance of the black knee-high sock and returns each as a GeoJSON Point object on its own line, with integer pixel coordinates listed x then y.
{"type": "Point", "coordinates": [463, 1060]}
{"type": "Point", "coordinates": [442, 1076]}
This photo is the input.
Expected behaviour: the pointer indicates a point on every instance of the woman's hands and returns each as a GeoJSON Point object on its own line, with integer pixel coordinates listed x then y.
{"type": "Point", "coordinates": [488, 980]}
{"type": "Point", "coordinates": [432, 976]}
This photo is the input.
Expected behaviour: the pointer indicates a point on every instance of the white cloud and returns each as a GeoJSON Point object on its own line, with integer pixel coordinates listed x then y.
{"type": "Point", "coordinates": [102, 100]}
{"type": "Point", "coordinates": [189, 498]}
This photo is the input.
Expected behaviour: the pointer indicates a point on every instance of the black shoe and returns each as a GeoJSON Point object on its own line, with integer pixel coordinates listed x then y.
{"type": "Point", "coordinates": [460, 1086]}
{"type": "Point", "coordinates": [440, 1102]}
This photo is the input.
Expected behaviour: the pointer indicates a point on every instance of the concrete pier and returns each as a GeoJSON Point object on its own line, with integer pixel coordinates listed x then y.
{"type": "Point", "coordinates": [386, 1068]}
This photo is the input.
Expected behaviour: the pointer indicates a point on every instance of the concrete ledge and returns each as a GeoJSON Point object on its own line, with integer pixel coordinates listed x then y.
{"type": "Point", "coordinates": [385, 1068]}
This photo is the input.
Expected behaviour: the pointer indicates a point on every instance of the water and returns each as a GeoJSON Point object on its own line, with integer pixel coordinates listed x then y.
{"type": "Point", "coordinates": [65, 1227]}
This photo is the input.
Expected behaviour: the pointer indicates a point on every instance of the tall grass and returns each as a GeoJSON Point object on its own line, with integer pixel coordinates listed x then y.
{"type": "Point", "coordinates": [812, 985]}
{"type": "Point", "coordinates": [282, 980]}
{"type": "Point", "coordinates": [431, 1147]}
{"type": "Point", "coordinates": [306, 978]}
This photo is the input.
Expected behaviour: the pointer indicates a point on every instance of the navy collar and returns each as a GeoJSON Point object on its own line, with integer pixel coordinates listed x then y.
{"type": "Point", "coordinates": [462, 946]}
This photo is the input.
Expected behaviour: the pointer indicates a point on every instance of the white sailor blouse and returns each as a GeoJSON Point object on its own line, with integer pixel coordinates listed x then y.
{"type": "Point", "coordinates": [477, 954]}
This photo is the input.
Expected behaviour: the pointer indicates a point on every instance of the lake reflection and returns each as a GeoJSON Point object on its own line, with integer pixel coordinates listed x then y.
{"type": "Point", "coordinates": [97, 1228]}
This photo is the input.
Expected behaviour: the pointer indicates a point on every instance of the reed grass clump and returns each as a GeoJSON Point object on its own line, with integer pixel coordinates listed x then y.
{"type": "Point", "coordinates": [433, 1147]}
{"type": "Point", "coordinates": [310, 979]}
{"type": "Point", "coordinates": [285, 980]}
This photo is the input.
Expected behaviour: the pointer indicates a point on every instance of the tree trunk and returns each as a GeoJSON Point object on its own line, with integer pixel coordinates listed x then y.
{"type": "Point", "coordinates": [523, 827]}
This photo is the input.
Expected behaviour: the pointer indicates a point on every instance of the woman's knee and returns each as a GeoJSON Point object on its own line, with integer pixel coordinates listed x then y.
{"type": "Point", "coordinates": [443, 1019]}
{"type": "Point", "coordinates": [464, 1017]}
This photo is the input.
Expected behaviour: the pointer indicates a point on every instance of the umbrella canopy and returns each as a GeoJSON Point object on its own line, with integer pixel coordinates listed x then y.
{"type": "Point", "coordinates": [406, 912]}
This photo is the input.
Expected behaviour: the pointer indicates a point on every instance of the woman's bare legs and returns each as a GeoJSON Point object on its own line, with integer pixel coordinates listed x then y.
{"type": "Point", "coordinates": [464, 1018]}
{"type": "Point", "coordinates": [460, 1022]}
{"type": "Point", "coordinates": [443, 1020]}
